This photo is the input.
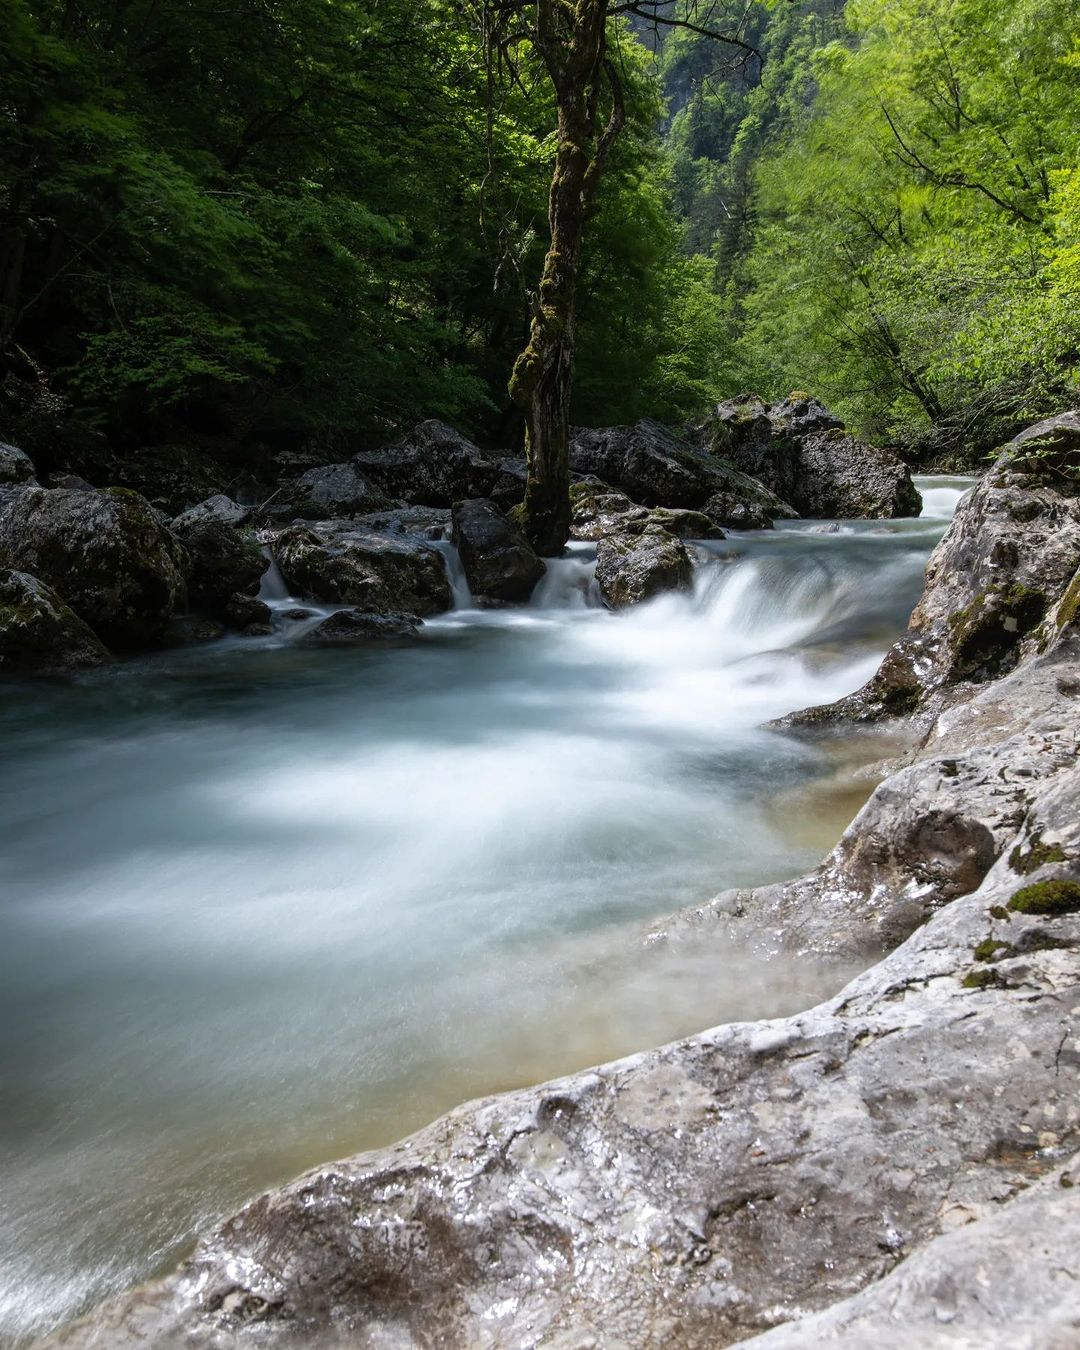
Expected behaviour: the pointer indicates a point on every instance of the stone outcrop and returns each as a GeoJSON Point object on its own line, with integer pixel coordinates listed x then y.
{"type": "Point", "coordinates": [631, 568]}
{"type": "Point", "coordinates": [226, 563]}
{"type": "Point", "coordinates": [106, 553]}
{"type": "Point", "coordinates": [598, 510]}
{"type": "Point", "coordinates": [39, 634]}
{"type": "Point", "coordinates": [378, 573]}
{"type": "Point", "coordinates": [800, 450]}
{"type": "Point", "coordinates": [1000, 585]}
{"type": "Point", "coordinates": [654, 467]}
{"type": "Point", "coordinates": [499, 562]}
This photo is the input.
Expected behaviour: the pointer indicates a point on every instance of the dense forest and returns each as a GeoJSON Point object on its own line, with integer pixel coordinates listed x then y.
{"type": "Point", "coordinates": [301, 225]}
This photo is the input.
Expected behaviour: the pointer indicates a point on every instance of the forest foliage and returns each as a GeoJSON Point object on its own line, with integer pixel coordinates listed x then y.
{"type": "Point", "coordinates": [309, 222]}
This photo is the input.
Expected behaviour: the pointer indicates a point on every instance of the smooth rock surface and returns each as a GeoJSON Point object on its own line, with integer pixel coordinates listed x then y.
{"type": "Point", "coordinates": [379, 573]}
{"type": "Point", "coordinates": [39, 634]}
{"type": "Point", "coordinates": [106, 553]}
{"type": "Point", "coordinates": [498, 560]}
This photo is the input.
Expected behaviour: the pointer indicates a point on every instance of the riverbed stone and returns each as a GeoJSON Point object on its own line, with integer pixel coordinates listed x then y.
{"type": "Point", "coordinates": [355, 627]}
{"type": "Point", "coordinates": [39, 633]}
{"type": "Point", "coordinates": [225, 561]}
{"type": "Point", "coordinates": [632, 568]}
{"type": "Point", "coordinates": [598, 510]}
{"type": "Point", "coordinates": [431, 465]}
{"type": "Point", "coordinates": [655, 467]}
{"type": "Point", "coordinates": [15, 466]}
{"type": "Point", "coordinates": [378, 573]}
{"type": "Point", "coordinates": [106, 553]}
{"type": "Point", "coordinates": [499, 561]}
{"type": "Point", "coordinates": [337, 490]}
{"type": "Point", "coordinates": [220, 509]}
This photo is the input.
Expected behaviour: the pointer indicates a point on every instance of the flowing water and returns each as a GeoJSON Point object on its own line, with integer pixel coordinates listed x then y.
{"type": "Point", "coordinates": [262, 905]}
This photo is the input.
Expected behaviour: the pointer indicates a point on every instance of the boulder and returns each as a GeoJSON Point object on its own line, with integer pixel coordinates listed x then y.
{"type": "Point", "coordinates": [337, 490]}
{"type": "Point", "coordinates": [224, 562]}
{"type": "Point", "coordinates": [105, 553]}
{"type": "Point", "coordinates": [245, 611]}
{"type": "Point", "coordinates": [39, 634]}
{"type": "Point", "coordinates": [631, 568]}
{"type": "Point", "coordinates": [998, 585]}
{"type": "Point", "coordinates": [653, 466]}
{"type": "Point", "coordinates": [597, 510]}
{"type": "Point", "coordinates": [186, 630]}
{"type": "Point", "coordinates": [172, 476]}
{"type": "Point", "coordinates": [799, 449]}
{"type": "Point", "coordinates": [355, 627]}
{"type": "Point", "coordinates": [219, 509]}
{"type": "Point", "coordinates": [499, 562]}
{"type": "Point", "coordinates": [15, 466]}
{"type": "Point", "coordinates": [425, 522]}
{"type": "Point", "coordinates": [433, 465]}
{"type": "Point", "coordinates": [379, 573]}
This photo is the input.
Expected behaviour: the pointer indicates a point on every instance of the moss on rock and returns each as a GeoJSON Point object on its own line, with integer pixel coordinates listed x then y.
{"type": "Point", "coordinates": [1047, 897]}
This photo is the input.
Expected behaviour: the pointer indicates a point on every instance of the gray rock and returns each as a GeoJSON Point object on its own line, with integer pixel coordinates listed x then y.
{"type": "Point", "coordinates": [799, 449]}
{"type": "Point", "coordinates": [219, 509]}
{"type": "Point", "coordinates": [653, 466]}
{"type": "Point", "coordinates": [1000, 584]}
{"type": "Point", "coordinates": [598, 510]}
{"type": "Point", "coordinates": [246, 611]}
{"type": "Point", "coordinates": [105, 553]}
{"type": "Point", "coordinates": [39, 634]}
{"type": "Point", "coordinates": [224, 562]}
{"type": "Point", "coordinates": [337, 490]}
{"type": "Point", "coordinates": [498, 560]}
{"type": "Point", "coordinates": [631, 568]}
{"type": "Point", "coordinates": [354, 627]}
{"type": "Point", "coordinates": [15, 466]}
{"type": "Point", "coordinates": [433, 465]}
{"type": "Point", "coordinates": [71, 481]}
{"type": "Point", "coordinates": [425, 522]}
{"type": "Point", "coordinates": [379, 573]}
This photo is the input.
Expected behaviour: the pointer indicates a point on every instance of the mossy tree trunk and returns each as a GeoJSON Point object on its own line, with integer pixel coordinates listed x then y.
{"type": "Point", "coordinates": [572, 40]}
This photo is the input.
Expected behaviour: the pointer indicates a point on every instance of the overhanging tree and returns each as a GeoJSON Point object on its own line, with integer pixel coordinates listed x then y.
{"type": "Point", "coordinates": [576, 44]}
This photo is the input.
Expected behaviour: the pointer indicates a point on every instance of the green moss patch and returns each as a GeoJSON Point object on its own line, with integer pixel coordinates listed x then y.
{"type": "Point", "coordinates": [992, 950]}
{"type": "Point", "coordinates": [1047, 897]}
{"type": "Point", "coordinates": [980, 979]}
{"type": "Point", "coordinates": [1035, 856]}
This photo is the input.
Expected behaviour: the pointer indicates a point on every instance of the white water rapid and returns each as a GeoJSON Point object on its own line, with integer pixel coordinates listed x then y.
{"type": "Point", "coordinates": [262, 905]}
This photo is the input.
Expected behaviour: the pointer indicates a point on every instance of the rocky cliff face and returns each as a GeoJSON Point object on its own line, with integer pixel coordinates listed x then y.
{"type": "Point", "coordinates": [840, 1176]}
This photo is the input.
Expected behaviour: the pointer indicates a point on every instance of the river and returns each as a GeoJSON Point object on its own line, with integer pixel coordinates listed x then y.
{"type": "Point", "coordinates": [263, 905]}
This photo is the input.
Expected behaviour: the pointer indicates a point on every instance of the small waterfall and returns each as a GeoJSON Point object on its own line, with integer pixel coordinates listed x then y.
{"type": "Point", "coordinates": [455, 574]}
{"type": "Point", "coordinates": [941, 495]}
{"type": "Point", "coordinates": [273, 589]}
{"type": "Point", "coordinates": [570, 581]}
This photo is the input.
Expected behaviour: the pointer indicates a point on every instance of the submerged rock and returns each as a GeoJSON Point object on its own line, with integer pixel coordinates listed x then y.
{"type": "Point", "coordinates": [354, 627]}
{"type": "Point", "coordinates": [106, 553]}
{"type": "Point", "coordinates": [631, 568]}
{"type": "Point", "coordinates": [653, 466]}
{"type": "Point", "coordinates": [799, 449]}
{"type": "Point", "coordinates": [380, 573]}
{"type": "Point", "coordinates": [15, 466]}
{"type": "Point", "coordinates": [39, 633]}
{"type": "Point", "coordinates": [499, 562]}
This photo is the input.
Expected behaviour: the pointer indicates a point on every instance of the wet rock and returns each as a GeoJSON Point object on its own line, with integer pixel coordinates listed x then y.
{"type": "Point", "coordinates": [654, 467]}
{"type": "Point", "coordinates": [354, 627]}
{"type": "Point", "coordinates": [246, 611]}
{"type": "Point", "coordinates": [104, 552]}
{"type": "Point", "coordinates": [999, 587]}
{"type": "Point", "coordinates": [219, 509]}
{"type": "Point", "coordinates": [15, 466]}
{"type": "Point", "coordinates": [185, 630]}
{"type": "Point", "coordinates": [379, 573]}
{"type": "Point", "coordinates": [498, 560]}
{"type": "Point", "coordinates": [337, 490]}
{"type": "Point", "coordinates": [598, 510]}
{"type": "Point", "coordinates": [631, 568]}
{"type": "Point", "coordinates": [39, 633]}
{"type": "Point", "coordinates": [799, 449]}
{"type": "Point", "coordinates": [225, 563]}
{"type": "Point", "coordinates": [425, 522]}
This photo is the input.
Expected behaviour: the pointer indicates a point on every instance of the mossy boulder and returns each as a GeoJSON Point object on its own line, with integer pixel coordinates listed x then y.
{"type": "Point", "coordinates": [226, 559]}
{"type": "Point", "coordinates": [498, 560]}
{"type": "Point", "coordinates": [106, 553]}
{"type": "Point", "coordinates": [39, 633]}
{"type": "Point", "coordinates": [631, 568]}
{"type": "Point", "coordinates": [984, 633]}
{"type": "Point", "coordinates": [597, 510]}
{"type": "Point", "coordinates": [379, 573]}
